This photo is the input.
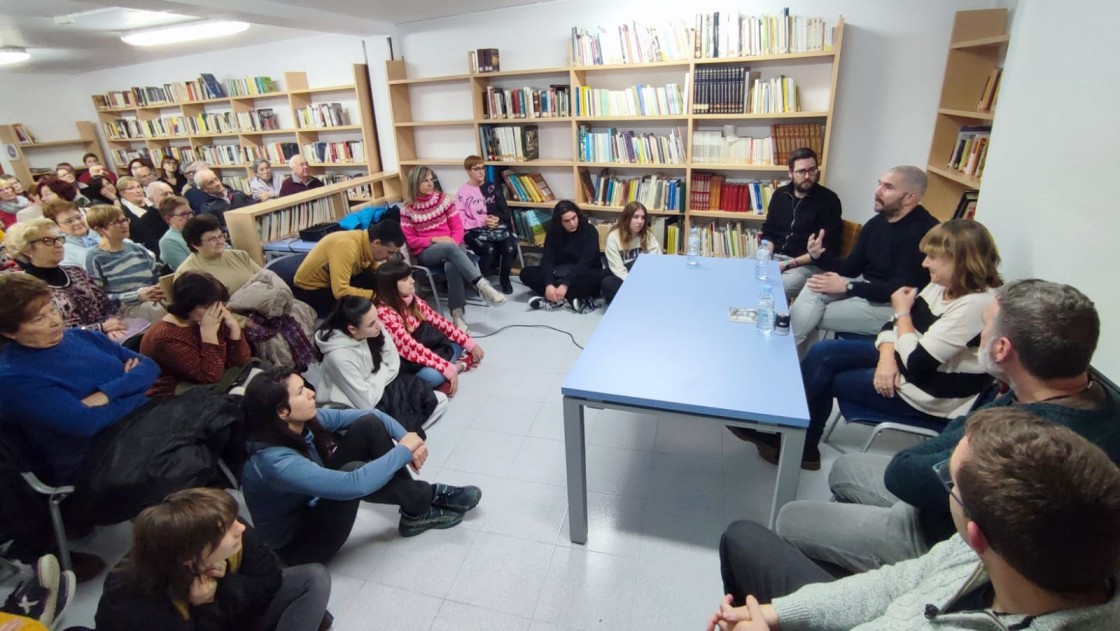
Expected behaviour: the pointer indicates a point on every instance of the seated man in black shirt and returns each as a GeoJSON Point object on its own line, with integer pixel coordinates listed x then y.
{"type": "Point", "coordinates": [218, 199]}
{"type": "Point", "coordinates": [853, 295]}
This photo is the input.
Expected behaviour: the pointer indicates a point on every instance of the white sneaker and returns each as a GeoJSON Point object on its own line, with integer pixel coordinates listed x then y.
{"type": "Point", "coordinates": [458, 321]}
{"type": "Point", "coordinates": [492, 296]}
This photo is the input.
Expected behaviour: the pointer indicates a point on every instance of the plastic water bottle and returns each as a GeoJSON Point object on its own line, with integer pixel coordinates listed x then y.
{"type": "Point", "coordinates": [765, 318]}
{"type": "Point", "coordinates": [762, 260]}
{"type": "Point", "coordinates": [694, 246]}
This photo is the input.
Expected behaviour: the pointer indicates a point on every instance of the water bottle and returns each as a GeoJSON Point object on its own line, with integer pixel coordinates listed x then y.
{"type": "Point", "coordinates": [694, 246]}
{"type": "Point", "coordinates": [765, 318]}
{"type": "Point", "coordinates": [762, 260]}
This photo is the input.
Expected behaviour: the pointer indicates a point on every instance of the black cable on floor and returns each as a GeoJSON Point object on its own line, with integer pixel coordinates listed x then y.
{"type": "Point", "coordinates": [529, 326]}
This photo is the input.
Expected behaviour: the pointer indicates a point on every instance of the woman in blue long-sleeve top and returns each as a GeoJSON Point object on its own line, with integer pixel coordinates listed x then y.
{"type": "Point", "coordinates": [304, 478]}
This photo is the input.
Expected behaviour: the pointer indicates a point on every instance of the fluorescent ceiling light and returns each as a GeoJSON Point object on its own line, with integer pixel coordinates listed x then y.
{"type": "Point", "coordinates": [188, 33]}
{"type": "Point", "coordinates": [13, 55]}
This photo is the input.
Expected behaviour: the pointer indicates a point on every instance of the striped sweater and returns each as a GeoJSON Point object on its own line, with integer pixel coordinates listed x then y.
{"type": "Point", "coordinates": [401, 328]}
{"type": "Point", "coordinates": [429, 217]}
{"type": "Point", "coordinates": [123, 273]}
{"type": "Point", "coordinates": [938, 364]}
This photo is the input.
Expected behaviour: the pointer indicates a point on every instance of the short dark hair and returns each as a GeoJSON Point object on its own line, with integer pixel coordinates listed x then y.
{"type": "Point", "coordinates": [170, 204]}
{"type": "Point", "coordinates": [1053, 328]}
{"type": "Point", "coordinates": [1046, 499]}
{"type": "Point", "coordinates": [387, 232]}
{"type": "Point", "coordinates": [198, 226]}
{"type": "Point", "coordinates": [195, 289]}
{"type": "Point", "coordinates": [20, 295]}
{"type": "Point", "coordinates": [144, 161]}
{"type": "Point", "coordinates": [91, 155]}
{"type": "Point", "coordinates": [802, 153]}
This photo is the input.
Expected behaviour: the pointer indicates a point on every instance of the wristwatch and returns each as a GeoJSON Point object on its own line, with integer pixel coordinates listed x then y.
{"type": "Point", "coordinates": [898, 316]}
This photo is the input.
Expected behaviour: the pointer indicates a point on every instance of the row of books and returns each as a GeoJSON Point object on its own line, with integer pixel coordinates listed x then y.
{"type": "Point", "coordinates": [485, 60]}
{"type": "Point", "coordinates": [288, 222]}
{"type": "Point", "coordinates": [723, 89]}
{"type": "Point", "coordinates": [213, 123]}
{"type": "Point", "coordinates": [551, 102]}
{"type": "Point", "coordinates": [199, 124]}
{"type": "Point", "coordinates": [790, 136]}
{"type": "Point", "coordinates": [711, 191]}
{"type": "Point", "coordinates": [510, 143]}
{"type": "Point", "coordinates": [263, 119]}
{"type": "Point", "coordinates": [200, 89]}
{"type": "Point", "coordinates": [322, 115]}
{"type": "Point", "coordinates": [639, 100]}
{"type": "Point", "coordinates": [531, 224]}
{"type": "Point", "coordinates": [728, 240]}
{"type": "Point", "coordinates": [364, 191]}
{"type": "Point", "coordinates": [990, 94]}
{"type": "Point", "coordinates": [971, 150]}
{"type": "Point", "coordinates": [236, 182]}
{"type": "Point", "coordinates": [226, 155]}
{"type": "Point", "coordinates": [251, 86]}
{"type": "Point", "coordinates": [526, 187]}
{"type": "Point", "coordinates": [630, 147]}
{"type": "Point", "coordinates": [277, 153]}
{"type": "Point", "coordinates": [631, 44]}
{"type": "Point", "coordinates": [335, 152]}
{"type": "Point", "coordinates": [715, 147]}
{"type": "Point", "coordinates": [773, 96]}
{"type": "Point", "coordinates": [123, 128]}
{"type": "Point", "coordinates": [657, 192]}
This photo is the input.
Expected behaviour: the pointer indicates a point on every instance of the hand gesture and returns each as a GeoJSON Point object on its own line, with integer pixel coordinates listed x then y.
{"type": "Point", "coordinates": [886, 376]}
{"type": "Point", "coordinates": [561, 292]}
{"type": "Point", "coordinates": [203, 589]}
{"type": "Point", "coordinates": [412, 440]}
{"type": "Point", "coordinates": [112, 325]}
{"type": "Point", "coordinates": [131, 363]}
{"type": "Point", "coordinates": [550, 294]}
{"type": "Point", "coordinates": [227, 319]}
{"type": "Point", "coordinates": [453, 385]}
{"type": "Point", "coordinates": [211, 322]}
{"type": "Point", "coordinates": [815, 245]}
{"type": "Point", "coordinates": [95, 400]}
{"type": "Point", "coordinates": [150, 294]}
{"type": "Point", "coordinates": [418, 458]}
{"type": "Point", "coordinates": [492, 221]}
{"type": "Point", "coordinates": [263, 195]}
{"type": "Point", "coordinates": [903, 299]}
{"type": "Point", "coordinates": [218, 570]}
{"type": "Point", "coordinates": [477, 354]}
{"type": "Point", "coordinates": [827, 283]}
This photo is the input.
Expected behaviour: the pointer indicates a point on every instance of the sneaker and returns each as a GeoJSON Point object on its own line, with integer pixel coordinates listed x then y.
{"type": "Point", "coordinates": [327, 622]}
{"type": "Point", "coordinates": [492, 296]}
{"type": "Point", "coordinates": [67, 586]}
{"type": "Point", "coordinates": [28, 600]}
{"type": "Point", "coordinates": [458, 321]}
{"type": "Point", "coordinates": [770, 445]}
{"type": "Point", "coordinates": [507, 286]}
{"type": "Point", "coordinates": [583, 305]}
{"type": "Point", "coordinates": [538, 302]}
{"type": "Point", "coordinates": [436, 517]}
{"type": "Point", "coordinates": [48, 573]}
{"type": "Point", "coordinates": [456, 498]}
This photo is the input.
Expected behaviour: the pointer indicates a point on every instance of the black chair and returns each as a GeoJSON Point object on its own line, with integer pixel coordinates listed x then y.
{"type": "Point", "coordinates": [286, 267]}
{"type": "Point", "coordinates": [26, 517]}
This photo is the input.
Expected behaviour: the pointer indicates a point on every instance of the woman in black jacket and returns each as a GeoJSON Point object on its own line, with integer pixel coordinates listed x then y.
{"type": "Point", "coordinates": [571, 269]}
{"type": "Point", "coordinates": [194, 565]}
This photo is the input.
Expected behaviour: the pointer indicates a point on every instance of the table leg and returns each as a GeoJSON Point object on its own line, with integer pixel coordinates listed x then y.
{"type": "Point", "coordinates": [789, 471]}
{"type": "Point", "coordinates": [574, 447]}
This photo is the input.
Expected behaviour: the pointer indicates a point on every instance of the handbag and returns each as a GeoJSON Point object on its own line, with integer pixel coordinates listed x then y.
{"type": "Point", "coordinates": [495, 235]}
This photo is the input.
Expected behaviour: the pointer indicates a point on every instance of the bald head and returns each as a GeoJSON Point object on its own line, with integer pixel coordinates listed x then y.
{"type": "Point", "coordinates": [899, 191]}
{"type": "Point", "coordinates": [158, 191]}
{"type": "Point", "coordinates": [301, 170]}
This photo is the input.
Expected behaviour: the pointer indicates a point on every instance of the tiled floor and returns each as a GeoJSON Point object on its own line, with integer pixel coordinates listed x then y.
{"type": "Point", "coordinates": [660, 494]}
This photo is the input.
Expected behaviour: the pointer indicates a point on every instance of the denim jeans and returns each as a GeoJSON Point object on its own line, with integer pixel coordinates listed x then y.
{"type": "Point", "coordinates": [458, 267]}
{"type": "Point", "coordinates": [435, 378]}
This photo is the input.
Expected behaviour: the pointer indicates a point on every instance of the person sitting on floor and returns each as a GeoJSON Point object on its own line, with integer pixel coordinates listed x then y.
{"type": "Point", "coordinates": [487, 222]}
{"type": "Point", "coordinates": [303, 482]}
{"type": "Point", "coordinates": [198, 341]}
{"type": "Point", "coordinates": [925, 363]}
{"type": "Point", "coordinates": [629, 237]}
{"type": "Point", "coordinates": [361, 369]}
{"type": "Point", "coordinates": [173, 250]}
{"type": "Point", "coordinates": [195, 564]}
{"type": "Point", "coordinates": [431, 346]}
{"type": "Point", "coordinates": [1036, 544]}
{"type": "Point", "coordinates": [571, 272]}
{"type": "Point", "coordinates": [343, 264]}
{"type": "Point", "coordinates": [72, 222]}
{"type": "Point", "coordinates": [1039, 338]}
{"type": "Point", "coordinates": [127, 272]}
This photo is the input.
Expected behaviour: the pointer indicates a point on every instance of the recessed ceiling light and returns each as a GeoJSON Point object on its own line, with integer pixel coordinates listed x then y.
{"type": "Point", "coordinates": [13, 55]}
{"type": "Point", "coordinates": [188, 33]}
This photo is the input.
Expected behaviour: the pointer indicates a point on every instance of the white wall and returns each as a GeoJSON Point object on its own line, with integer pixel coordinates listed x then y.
{"type": "Point", "coordinates": [1049, 193]}
{"type": "Point", "coordinates": [892, 63]}
{"type": "Point", "coordinates": [48, 105]}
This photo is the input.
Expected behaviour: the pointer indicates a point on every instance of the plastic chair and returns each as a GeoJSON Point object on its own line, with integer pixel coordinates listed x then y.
{"type": "Point", "coordinates": [432, 274]}
{"type": "Point", "coordinates": [13, 450]}
{"type": "Point", "coordinates": [286, 267]}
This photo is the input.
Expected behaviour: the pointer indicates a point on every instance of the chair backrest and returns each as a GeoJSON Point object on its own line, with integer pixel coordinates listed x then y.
{"type": "Point", "coordinates": [849, 238]}
{"type": "Point", "coordinates": [286, 267]}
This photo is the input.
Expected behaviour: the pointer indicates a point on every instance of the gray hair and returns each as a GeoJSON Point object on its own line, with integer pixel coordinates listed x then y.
{"type": "Point", "coordinates": [1054, 328]}
{"type": "Point", "coordinates": [258, 162]}
{"type": "Point", "coordinates": [292, 160]}
{"type": "Point", "coordinates": [913, 178]}
{"type": "Point", "coordinates": [201, 175]}
{"type": "Point", "coordinates": [151, 190]}
{"type": "Point", "coordinates": [191, 167]}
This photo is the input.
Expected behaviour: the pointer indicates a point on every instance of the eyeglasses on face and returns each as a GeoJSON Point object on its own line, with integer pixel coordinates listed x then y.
{"type": "Point", "coordinates": [50, 242]}
{"type": "Point", "coordinates": [186, 213]}
{"type": "Point", "coordinates": [478, 168]}
{"type": "Point", "coordinates": [215, 240]}
{"type": "Point", "coordinates": [123, 221]}
{"type": "Point", "coordinates": [945, 476]}
{"type": "Point", "coordinates": [806, 172]}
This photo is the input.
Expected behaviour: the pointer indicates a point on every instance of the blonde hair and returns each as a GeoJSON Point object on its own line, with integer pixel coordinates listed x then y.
{"type": "Point", "coordinates": [622, 225]}
{"type": "Point", "coordinates": [20, 235]}
{"type": "Point", "coordinates": [101, 215]}
{"type": "Point", "coordinates": [126, 181]}
{"type": "Point", "coordinates": [415, 176]}
{"type": "Point", "coordinates": [973, 251]}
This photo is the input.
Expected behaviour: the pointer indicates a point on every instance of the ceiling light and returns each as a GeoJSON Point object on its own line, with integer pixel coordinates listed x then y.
{"type": "Point", "coordinates": [188, 33]}
{"type": "Point", "coordinates": [13, 55]}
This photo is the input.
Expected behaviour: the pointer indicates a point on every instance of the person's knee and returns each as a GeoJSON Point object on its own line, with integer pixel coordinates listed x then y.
{"type": "Point", "coordinates": [740, 536]}
{"type": "Point", "coordinates": [844, 470]}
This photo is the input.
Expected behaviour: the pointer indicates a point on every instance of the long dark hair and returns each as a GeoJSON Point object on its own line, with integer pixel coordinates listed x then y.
{"type": "Point", "coordinates": [556, 227]}
{"type": "Point", "coordinates": [265, 398]}
{"type": "Point", "coordinates": [348, 312]}
{"type": "Point", "coordinates": [387, 293]}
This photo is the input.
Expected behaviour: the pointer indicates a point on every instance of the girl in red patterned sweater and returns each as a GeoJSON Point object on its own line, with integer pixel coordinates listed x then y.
{"type": "Point", "coordinates": [427, 342]}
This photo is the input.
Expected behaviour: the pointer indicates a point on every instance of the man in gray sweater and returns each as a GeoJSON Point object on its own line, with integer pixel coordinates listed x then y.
{"type": "Point", "coordinates": [1037, 546]}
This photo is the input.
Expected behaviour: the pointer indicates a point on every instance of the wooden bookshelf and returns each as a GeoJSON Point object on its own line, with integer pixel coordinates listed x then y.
{"type": "Point", "coordinates": [25, 160]}
{"type": "Point", "coordinates": [977, 46]}
{"type": "Point", "coordinates": [245, 224]}
{"type": "Point", "coordinates": [297, 95]}
{"type": "Point", "coordinates": [410, 146]}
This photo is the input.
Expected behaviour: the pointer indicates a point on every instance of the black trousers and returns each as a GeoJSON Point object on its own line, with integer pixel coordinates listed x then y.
{"type": "Point", "coordinates": [611, 285]}
{"type": "Point", "coordinates": [492, 254]}
{"type": "Point", "coordinates": [327, 525]}
{"type": "Point", "coordinates": [754, 560]}
{"type": "Point", "coordinates": [323, 300]}
{"type": "Point", "coordinates": [583, 285]}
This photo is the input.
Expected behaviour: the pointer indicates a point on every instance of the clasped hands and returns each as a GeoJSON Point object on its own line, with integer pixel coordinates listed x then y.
{"type": "Point", "coordinates": [418, 448]}
{"type": "Point", "coordinates": [750, 617]}
{"type": "Point", "coordinates": [555, 293]}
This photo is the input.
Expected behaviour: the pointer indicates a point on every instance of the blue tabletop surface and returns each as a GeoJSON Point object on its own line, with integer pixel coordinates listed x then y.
{"type": "Point", "coordinates": [666, 343]}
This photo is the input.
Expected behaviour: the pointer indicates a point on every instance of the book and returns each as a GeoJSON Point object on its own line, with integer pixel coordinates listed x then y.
{"type": "Point", "coordinates": [485, 60]}
{"type": "Point", "coordinates": [213, 89]}
{"type": "Point", "coordinates": [991, 91]}
{"type": "Point", "coordinates": [966, 207]}
{"type": "Point", "coordinates": [23, 134]}
{"type": "Point", "coordinates": [510, 143]}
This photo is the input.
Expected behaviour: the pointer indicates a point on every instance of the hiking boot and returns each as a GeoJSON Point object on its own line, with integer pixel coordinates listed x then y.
{"type": "Point", "coordinates": [436, 517]}
{"type": "Point", "coordinates": [770, 445]}
{"type": "Point", "coordinates": [492, 296]}
{"type": "Point", "coordinates": [456, 498]}
{"type": "Point", "coordinates": [457, 319]}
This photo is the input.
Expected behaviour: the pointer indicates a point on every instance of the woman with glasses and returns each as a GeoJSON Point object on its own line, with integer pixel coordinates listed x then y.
{"type": "Point", "coordinates": [72, 222]}
{"type": "Point", "coordinates": [10, 202]}
{"type": "Point", "coordinates": [145, 224]}
{"type": "Point", "coordinates": [126, 271]}
{"type": "Point", "coordinates": [38, 247]}
{"type": "Point", "coordinates": [210, 254]}
{"type": "Point", "coordinates": [176, 211]}
{"type": "Point", "coordinates": [487, 222]}
{"type": "Point", "coordinates": [169, 174]}
{"type": "Point", "coordinates": [266, 183]}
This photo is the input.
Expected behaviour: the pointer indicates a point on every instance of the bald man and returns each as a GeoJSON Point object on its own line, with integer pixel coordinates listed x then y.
{"type": "Point", "coordinates": [301, 179]}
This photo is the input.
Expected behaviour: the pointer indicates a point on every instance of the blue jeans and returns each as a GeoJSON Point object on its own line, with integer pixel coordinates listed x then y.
{"type": "Point", "coordinates": [435, 378]}
{"type": "Point", "coordinates": [845, 369]}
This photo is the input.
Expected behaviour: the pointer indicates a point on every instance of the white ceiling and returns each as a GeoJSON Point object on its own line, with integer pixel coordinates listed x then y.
{"type": "Point", "coordinates": [92, 40]}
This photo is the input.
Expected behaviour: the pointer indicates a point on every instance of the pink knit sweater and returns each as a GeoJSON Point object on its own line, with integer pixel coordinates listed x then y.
{"type": "Point", "coordinates": [433, 216]}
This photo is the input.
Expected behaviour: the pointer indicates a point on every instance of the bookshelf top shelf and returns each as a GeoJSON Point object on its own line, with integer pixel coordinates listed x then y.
{"type": "Point", "coordinates": [770, 116]}
{"type": "Point", "coordinates": [52, 143]}
{"type": "Point", "coordinates": [310, 130]}
{"type": "Point", "coordinates": [983, 116]}
{"type": "Point", "coordinates": [959, 178]}
{"type": "Point", "coordinates": [591, 119]}
{"type": "Point", "coordinates": [450, 78]}
{"type": "Point", "coordinates": [702, 166]}
{"type": "Point", "coordinates": [630, 165]}
{"type": "Point", "coordinates": [265, 95]}
{"type": "Point", "coordinates": [816, 54]}
{"type": "Point", "coordinates": [528, 163]}
{"type": "Point", "coordinates": [544, 120]}
{"type": "Point", "coordinates": [676, 63]}
{"type": "Point", "coordinates": [981, 42]}
{"type": "Point", "coordinates": [327, 88]}
{"type": "Point", "coordinates": [443, 123]}
{"type": "Point", "coordinates": [522, 73]}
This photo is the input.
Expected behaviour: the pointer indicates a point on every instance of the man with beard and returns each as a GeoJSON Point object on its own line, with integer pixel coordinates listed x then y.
{"type": "Point", "coordinates": [797, 211]}
{"type": "Point", "coordinates": [1038, 338]}
{"type": "Point", "coordinates": [853, 295]}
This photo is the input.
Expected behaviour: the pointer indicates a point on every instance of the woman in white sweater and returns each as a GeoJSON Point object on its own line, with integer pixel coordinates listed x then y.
{"type": "Point", "coordinates": [629, 237]}
{"type": "Point", "coordinates": [361, 369]}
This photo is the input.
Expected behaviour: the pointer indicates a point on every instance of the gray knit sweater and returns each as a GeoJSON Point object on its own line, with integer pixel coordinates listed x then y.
{"type": "Point", "coordinates": [896, 598]}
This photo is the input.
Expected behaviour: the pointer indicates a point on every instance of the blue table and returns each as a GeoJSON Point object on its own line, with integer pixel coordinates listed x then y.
{"type": "Point", "coordinates": [704, 366]}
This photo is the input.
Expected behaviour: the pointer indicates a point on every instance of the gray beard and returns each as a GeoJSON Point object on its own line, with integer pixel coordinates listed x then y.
{"type": "Point", "coordinates": [988, 364]}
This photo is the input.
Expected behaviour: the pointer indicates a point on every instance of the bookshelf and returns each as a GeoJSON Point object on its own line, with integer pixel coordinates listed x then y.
{"type": "Point", "coordinates": [237, 143]}
{"type": "Point", "coordinates": [27, 168]}
{"type": "Point", "coordinates": [977, 47]}
{"type": "Point", "coordinates": [253, 226]}
{"type": "Point", "coordinates": [416, 129]}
